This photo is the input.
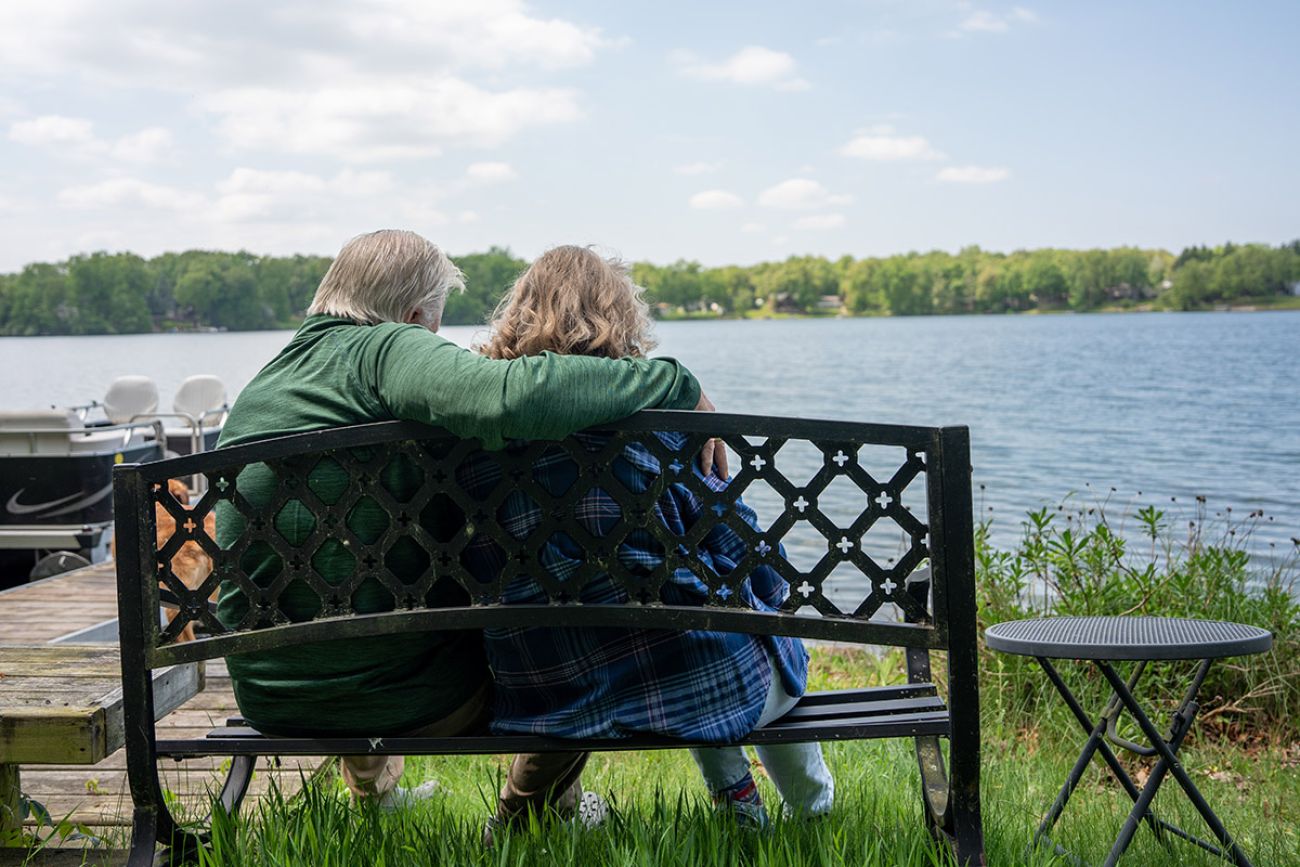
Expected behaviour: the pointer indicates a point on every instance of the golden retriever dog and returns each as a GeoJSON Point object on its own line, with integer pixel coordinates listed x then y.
{"type": "Point", "coordinates": [191, 563]}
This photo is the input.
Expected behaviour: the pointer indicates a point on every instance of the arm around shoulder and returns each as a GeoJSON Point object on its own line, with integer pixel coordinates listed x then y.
{"type": "Point", "coordinates": [422, 377]}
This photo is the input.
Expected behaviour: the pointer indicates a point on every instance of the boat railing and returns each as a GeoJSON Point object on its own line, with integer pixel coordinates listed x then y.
{"type": "Point", "coordinates": [97, 434]}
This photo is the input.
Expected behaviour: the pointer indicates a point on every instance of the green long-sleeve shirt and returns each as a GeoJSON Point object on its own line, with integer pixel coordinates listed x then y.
{"type": "Point", "coordinates": [335, 372]}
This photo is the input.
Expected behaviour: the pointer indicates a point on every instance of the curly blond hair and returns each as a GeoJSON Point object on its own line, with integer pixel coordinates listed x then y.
{"type": "Point", "coordinates": [571, 301]}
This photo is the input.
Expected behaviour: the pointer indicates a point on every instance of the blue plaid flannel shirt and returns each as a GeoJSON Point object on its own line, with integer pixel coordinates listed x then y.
{"type": "Point", "coordinates": [608, 683]}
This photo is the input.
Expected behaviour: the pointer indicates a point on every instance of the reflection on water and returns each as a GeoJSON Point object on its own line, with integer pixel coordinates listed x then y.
{"type": "Point", "coordinates": [1160, 407]}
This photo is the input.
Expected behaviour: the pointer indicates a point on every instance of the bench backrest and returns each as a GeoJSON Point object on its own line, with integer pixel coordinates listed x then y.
{"type": "Point", "coordinates": [825, 490]}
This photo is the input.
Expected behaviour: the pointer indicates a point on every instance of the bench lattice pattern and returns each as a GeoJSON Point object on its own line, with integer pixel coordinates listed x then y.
{"type": "Point", "coordinates": [430, 474]}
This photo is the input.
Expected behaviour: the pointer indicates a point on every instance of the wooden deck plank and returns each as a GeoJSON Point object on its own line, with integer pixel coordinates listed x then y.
{"type": "Point", "coordinates": [98, 795]}
{"type": "Point", "coordinates": [75, 717]}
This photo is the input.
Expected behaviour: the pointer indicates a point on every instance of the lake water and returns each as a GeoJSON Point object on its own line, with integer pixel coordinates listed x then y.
{"type": "Point", "coordinates": [1171, 405]}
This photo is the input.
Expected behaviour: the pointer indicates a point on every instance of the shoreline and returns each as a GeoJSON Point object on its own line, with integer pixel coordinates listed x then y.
{"type": "Point", "coordinates": [1281, 304]}
{"type": "Point", "coordinates": [1254, 305]}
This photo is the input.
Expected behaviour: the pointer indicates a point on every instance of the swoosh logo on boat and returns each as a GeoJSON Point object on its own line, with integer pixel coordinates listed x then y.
{"type": "Point", "coordinates": [16, 508]}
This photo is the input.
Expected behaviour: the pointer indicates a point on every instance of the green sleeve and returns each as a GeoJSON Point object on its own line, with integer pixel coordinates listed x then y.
{"type": "Point", "coordinates": [419, 376]}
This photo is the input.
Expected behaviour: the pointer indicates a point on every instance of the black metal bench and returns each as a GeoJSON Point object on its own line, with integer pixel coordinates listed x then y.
{"type": "Point", "coordinates": [809, 480]}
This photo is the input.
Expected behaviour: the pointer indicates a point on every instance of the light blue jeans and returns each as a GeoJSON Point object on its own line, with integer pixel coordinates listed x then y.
{"type": "Point", "coordinates": [798, 771]}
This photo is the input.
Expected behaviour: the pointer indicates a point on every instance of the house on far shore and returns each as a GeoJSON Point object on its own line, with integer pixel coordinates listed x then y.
{"type": "Point", "coordinates": [830, 302]}
{"type": "Point", "coordinates": [1295, 288]}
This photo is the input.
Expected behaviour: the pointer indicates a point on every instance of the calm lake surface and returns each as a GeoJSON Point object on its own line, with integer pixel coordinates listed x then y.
{"type": "Point", "coordinates": [1171, 405]}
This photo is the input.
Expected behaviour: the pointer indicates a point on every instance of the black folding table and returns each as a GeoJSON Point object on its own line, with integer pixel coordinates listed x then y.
{"type": "Point", "coordinates": [1103, 641]}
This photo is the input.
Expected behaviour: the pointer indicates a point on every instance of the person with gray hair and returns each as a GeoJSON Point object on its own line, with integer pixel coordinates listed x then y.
{"type": "Point", "coordinates": [388, 276]}
{"type": "Point", "coordinates": [367, 352]}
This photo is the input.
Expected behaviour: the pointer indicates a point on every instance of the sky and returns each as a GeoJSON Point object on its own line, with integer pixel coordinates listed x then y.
{"type": "Point", "coordinates": [726, 132]}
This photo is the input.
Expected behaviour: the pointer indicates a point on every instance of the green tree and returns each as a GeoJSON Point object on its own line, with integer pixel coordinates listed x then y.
{"type": "Point", "coordinates": [487, 277]}
{"type": "Point", "coordinates": [109, 293]}
{"type": "Point", "coordinates": [220, 289]}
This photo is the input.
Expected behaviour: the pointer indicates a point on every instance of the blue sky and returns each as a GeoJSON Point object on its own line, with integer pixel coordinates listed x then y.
{"type": "Point", "coordinates": [724, 132]}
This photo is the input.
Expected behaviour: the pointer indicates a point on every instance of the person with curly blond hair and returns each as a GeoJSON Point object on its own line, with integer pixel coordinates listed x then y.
{"type": "Point", "coordinates": [701, 686]}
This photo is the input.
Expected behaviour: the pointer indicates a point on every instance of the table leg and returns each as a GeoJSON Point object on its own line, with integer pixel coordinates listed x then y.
{"type": "Point", "coordinates": [1169, 764]}
{"type": "Point", "coordinates": [11, 792]}
{"type": "Point", "coordinates": [1096, 743]}
{"type": "Point", "coordinates": [1182, 725]}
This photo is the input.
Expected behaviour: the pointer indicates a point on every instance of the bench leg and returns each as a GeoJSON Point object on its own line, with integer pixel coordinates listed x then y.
{"type": "Point", "coordinates": [950, 798]}
{"type": "Point", "coordinates": [11, 793]}
{"type": "Point", "coordinates": [154, 828]}
{"type": "Point", "coordinates": [963, 818]}
{"type": "Point", "coordinates": [236, 784]}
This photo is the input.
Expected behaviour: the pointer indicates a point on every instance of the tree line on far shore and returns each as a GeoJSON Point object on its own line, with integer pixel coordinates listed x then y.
{"type": "Point", "coordinates": [118, 293]}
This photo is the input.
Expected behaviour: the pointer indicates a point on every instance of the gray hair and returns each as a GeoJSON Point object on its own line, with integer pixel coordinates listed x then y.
{"type": "Point", "coordinates": [382, 276]}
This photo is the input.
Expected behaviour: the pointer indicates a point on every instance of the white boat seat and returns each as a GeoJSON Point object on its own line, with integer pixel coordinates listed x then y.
{"type": "Point", "coordinates": [130, 396]}
{"type": "Point", "coordinates": [37, 432]}
{"type": "Point", "coordinates": [201, 397]}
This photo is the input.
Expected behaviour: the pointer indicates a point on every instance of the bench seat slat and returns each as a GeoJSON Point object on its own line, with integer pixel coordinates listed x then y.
{"type": "Point", "coordinates": [849, 714]}
{"type": "Point", "coordinates": [849, 710]}
{"type": "Point", "coordinates": [251, 742]}
{"type": "Point", "coordinates": [868, 693]}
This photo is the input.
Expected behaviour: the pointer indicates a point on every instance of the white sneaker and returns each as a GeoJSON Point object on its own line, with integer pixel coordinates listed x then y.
{"type": "Point", "coordinates": [591, 812]}
{"type": "Point", "coordinates": [401, 799]}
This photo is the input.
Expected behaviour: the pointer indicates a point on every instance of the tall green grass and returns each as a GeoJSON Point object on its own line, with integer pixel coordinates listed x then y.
{"type": "Point", "coordinates": [661, 816]}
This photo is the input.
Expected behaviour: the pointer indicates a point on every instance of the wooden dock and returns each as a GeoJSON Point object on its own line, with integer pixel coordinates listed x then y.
{"type": "Point", "coordinates": [97, 796]}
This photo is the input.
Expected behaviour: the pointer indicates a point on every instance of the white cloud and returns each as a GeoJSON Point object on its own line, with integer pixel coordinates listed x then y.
{"type": "Point", "coordinates": [295, 41]}
{"type": "Point", "coordinates": [983, 21]}
{"type": "Point", "coordinates": [52, 129]}
{"type": "Point", "coordinates": [377, 119]}
{"type": "Point", "coordinates": [418, 213]}
{"type": "Point", "coordinates": [245, 180]}
{"type": "Point", "coordinates": [799, 194]}
{"type": "Point", "coordinates": [819, 222]}
{"type": "Point", "coordinates": [486, 32]}
{"type": "Point", "coordinates": [883, 145]}
{"type": "Point", "coordinates": [973, 174]}
{"type": "Point", "coordinates": [250, 195]}
{"type": "Point", "coordinates": [751, 65]}
{"type": "Point", "coordinates": [697, 168]}
{"type": "Point", "coordinates": [358, 184]}
{"type": "Point", "coordinates": [490, 172]}
{"type": "Point", "coordinates": [145, 146]}
{"type": "Point", "coordinates": [76, 136]}
{"type": "Point", "coordinates": [716, 200]}
{"type": "Point", "coordinates": [467, 217]}
{"type": "Point", "coordinates": [752, 228]}
{"type": "Point", "coordinates": [352, 79]}
{"type": "Point", "coordinates": [130, 192]}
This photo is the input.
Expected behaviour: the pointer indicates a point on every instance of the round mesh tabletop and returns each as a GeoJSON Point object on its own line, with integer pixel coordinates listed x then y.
{"type": "Point", "coordinates": [1126, 638]}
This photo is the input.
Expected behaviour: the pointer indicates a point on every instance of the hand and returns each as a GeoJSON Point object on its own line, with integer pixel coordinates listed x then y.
{"type": "Point", "coordinates": [713, 456]}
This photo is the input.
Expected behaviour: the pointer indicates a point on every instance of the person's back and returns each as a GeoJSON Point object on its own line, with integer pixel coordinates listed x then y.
{"type": "Point", "coordinates": [358, 686]}
{"type": "Point", "coordinates": [610, 682]}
